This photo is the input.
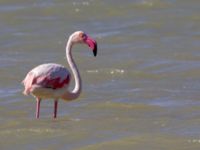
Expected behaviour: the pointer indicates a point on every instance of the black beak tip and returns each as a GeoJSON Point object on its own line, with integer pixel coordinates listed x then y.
{"type": "Point", "coordinates": [95, 50]}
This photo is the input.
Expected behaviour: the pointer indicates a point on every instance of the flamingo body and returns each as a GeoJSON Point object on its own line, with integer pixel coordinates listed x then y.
{"type": "Point", "coordinates": [46, 80]}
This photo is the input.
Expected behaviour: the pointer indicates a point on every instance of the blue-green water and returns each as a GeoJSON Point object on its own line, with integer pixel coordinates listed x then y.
{"type": "Point", "coordinates": [141, 92]}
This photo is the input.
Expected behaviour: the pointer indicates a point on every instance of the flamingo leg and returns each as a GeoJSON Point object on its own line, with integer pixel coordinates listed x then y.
{"type": "Point", "coordinates": [55, 108]}
{"type": "Point", "coordinates": [37, 115]}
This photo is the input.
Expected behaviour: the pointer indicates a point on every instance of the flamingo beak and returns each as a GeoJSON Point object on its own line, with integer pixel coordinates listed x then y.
{"type": "Point", "coordinates": [92, 44]}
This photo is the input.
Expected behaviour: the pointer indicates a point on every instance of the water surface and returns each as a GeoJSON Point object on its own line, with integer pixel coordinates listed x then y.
{"type": "Point", "coordinates": [141, 92]}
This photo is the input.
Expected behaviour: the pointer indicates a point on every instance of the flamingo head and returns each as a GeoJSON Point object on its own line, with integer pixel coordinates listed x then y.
{"type": "Point", "coordinates": [81, 37]}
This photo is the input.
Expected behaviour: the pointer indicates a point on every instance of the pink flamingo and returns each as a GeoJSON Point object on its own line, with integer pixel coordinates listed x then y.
{"type": "Point", "coordinates": [52, 80]}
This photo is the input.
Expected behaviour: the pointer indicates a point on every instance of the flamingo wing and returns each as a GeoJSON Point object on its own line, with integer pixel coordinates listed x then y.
{"type": "Point", "coordinates": [47, 76]}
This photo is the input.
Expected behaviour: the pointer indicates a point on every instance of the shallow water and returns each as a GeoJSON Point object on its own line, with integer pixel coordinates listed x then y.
{"type": "Point", "coordinates": [141, 92]}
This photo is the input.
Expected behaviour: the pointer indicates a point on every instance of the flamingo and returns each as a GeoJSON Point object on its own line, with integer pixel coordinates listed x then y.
{"type": "Point", "coordinates": [52, 80]}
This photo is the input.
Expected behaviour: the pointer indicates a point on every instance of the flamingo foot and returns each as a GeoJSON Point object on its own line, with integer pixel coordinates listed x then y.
{"type": "Point", "coordinates": [37, 115]}
{"type": "Point", "coordinates": [55, 108]}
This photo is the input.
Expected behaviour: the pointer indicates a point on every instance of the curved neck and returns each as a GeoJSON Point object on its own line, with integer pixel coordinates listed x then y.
{"type": "Point", "coordinates": [70, 95]}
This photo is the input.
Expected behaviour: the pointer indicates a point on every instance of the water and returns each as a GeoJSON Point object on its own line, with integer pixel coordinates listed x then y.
{"type": "Point", "coordinates": [141, 92]}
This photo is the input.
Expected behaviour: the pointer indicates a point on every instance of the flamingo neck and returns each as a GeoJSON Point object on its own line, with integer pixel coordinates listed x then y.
{"type": "Point", "coordinates": [71, 95]}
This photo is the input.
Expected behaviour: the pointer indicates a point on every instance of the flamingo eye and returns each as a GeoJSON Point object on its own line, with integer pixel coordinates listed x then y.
{"type": "Point", "coordinates": [84, 36]}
